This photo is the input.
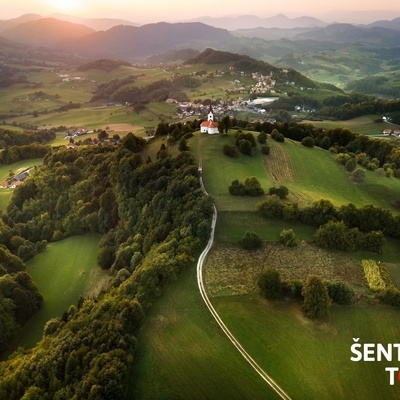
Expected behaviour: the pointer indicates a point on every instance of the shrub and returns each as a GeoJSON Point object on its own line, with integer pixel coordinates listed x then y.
{"type": "Point", "coordinates": [262, 137]}
{"type": "Point", "coordinates": [308, 141]}
{"type": "Point", "coordinates": [271, 207]}
{"type": "Point", "coordinates": [350, 165]}
{"type": "Point", "coordinates": [316, 301]}
{"type": "Point", "coordinates": [279, 137]}
{"type": "Point", "coordinates": [265, 149]}
{"type": "Point", "coordinates": [245, 147]}
{"type": "Point", "coordinates": [253, 187]}
{"type": "Point", "coordinates": [281, 191]}
{"type": "Point", "coordinates": [390, 296]}
{"type": "Point", "coordinates": [288, 238]}
{"type": "Point", "coordinates": [237, 188]}
{"type": "Point", "coordinates": [358, 175]}
{"type": "Point", "coordinates": [250, 187]}
{"type": "Point", "coordinates": [230, 150]}
{"type": "Point", "coordinates": [296, 288]}
{"type": "Point", "coordinates": [340, 292]}
{"type": "Point", "coordinates": [270, 284]}
{"type": "Point", "coordinates": [325, 143]}
{"type": "Point", "coordinates": [251, 241]}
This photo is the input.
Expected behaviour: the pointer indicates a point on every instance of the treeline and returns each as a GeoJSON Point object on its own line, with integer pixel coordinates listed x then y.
{"type": "Point", "coordinates": [14, 138]}
{"type": "Point", "coordinates": [122, 90]}
{"type": "Point", "coordinates": [155, 220]}
{"type": "Point", "coordinates": [10, 75]}
{"type": "Point", "coordinates": [338, 140]}
{"type": "Point", "coordinates": [377, 85]}
{"type": "Point", "coordinates": [19, 296]}
{"type": "Point", "coordinates": [341, 107]}
{"type": "Point", "coordinates": [13, 154]}
{"type": "Point", "coordinates": [104, 65]}
{"type": "Point", "coordinates": [346, 228]}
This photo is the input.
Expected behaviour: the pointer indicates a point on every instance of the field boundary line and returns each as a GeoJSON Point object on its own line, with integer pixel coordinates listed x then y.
{"type": "Point", "coordinates": [275, 387]}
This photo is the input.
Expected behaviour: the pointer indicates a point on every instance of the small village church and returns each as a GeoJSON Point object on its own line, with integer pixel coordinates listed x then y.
{"type": "Point", "coordinates": [210, 126]}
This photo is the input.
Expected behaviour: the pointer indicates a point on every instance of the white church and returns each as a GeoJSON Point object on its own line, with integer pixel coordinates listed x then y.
{"type": "Point", "coordinates": [209, 126]}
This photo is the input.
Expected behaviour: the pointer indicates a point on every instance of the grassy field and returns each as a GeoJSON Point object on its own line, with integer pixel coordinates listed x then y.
{"type": "Point", "coordinates": [316, 175]}
{"type": "Point", "coordinates": [182, 353]}
{"type": "Point", "coordinates": [64, 272]}
{"type": "Point", "coordinates": [312, 360]}
{"type": "Point", "coordinates": [232, 225]}
{"type": "Point", "coordinates": [366, 125]}
{"type": "Point", "coordinates": [219, 171]}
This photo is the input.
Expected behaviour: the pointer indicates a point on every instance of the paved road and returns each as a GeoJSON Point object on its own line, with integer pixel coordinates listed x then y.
{"type": "Point", "coordinates": [281, 393]}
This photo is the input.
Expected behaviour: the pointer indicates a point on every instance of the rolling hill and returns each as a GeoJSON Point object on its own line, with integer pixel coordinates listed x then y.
{"type": "Point", "coordinates": [45, 32]}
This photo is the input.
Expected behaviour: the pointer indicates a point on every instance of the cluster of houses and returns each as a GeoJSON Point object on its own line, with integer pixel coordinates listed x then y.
{"type": "Point", "coordinates": [395, 132]}
{"type": "Point", "coordinates": [76, 133]}
{"type": "Point", "coordinates": [16, 180]}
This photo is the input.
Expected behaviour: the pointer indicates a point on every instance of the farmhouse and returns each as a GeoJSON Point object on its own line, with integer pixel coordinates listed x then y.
{"type": "Point", "coordinates": [209, 126]}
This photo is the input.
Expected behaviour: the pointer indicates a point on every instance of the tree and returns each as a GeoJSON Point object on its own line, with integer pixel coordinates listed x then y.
{"type": "Point", "coordinates": [265, 149]}
{"type": "Point", "coordinates": [183, 146]}
{"type": "Point", "coordinates": [102, 135]}
{"type": "Point", "coordinates": [270, 284]}
{"type": "Point", "coordinates": [225, 124]}
{"type": "Point", "coordinates": [316, 301]}
{"type": "Point", "coordinates": [340, 292]}
{"type": "Point", "coordinates": [288, 238]}
{"type": "Point", "coordinates": [281, 191]}
{"type": "Point", "coordinates": [230, 150]}
{"type": "Point", "coordinates": [358, 175]}
{"type": "Point", "coordinates": [253, 187]}
{"type": "Point", "coordinates": [308, 141]}
{"type": "Point", "coordinates": [271, 207]}
{"type": "Point", "coordinates": [251, 241]}
{"type": "Point", "coordinates": [262, 137]}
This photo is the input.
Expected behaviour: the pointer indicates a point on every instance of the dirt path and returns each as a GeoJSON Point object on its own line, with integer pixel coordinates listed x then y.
{"type": "Point", "coordinates": [275, 387]}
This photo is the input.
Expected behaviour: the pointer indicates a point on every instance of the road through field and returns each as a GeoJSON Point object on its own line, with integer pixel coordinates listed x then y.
{"type": "Point", "coordinates": [277, 389]}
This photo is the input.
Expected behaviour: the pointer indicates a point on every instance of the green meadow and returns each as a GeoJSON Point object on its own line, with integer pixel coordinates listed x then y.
{"type": "Point", "coordinates": [310, 360]}
{"type": "Point", "coordinates": [64, 272]}
{"type": "Point", "coordinates": [183, 354]}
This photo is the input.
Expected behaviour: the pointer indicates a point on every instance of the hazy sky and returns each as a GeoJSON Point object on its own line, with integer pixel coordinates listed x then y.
{"type": "Point", "coordinates": [143, 11]}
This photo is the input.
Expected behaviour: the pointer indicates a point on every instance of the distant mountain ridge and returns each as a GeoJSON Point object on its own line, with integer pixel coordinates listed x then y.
{"type": "Point", "coordinates": [136, 43]}
{"type": "Point", "coordinates": [252, 21]}
{"type": "Point", "coordinates": [45, 32]}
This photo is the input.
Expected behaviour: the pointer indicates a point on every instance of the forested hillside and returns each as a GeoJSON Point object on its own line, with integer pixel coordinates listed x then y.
{"type": "Point", "coordinates": [155, 220]}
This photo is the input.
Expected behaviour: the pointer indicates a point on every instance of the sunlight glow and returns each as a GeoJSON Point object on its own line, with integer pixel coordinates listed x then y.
{"type": "Point", "coordinates": [66, 5]}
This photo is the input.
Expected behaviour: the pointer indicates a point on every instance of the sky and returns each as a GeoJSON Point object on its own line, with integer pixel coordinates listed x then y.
{"type": "Point", "coordinates": [146, 11]}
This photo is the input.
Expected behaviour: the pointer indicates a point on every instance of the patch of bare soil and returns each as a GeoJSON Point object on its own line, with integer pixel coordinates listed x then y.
{"type": "Point", "coordinates": [278, 164]}
{"type": "Point", "coordinates": [121, 127]}
{"type": "Point", "coordinates": [230, 270]}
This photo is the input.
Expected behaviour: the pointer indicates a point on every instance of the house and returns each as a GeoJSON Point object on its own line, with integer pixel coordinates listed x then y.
{"type": "Point", "coordinates": [396, 132]}
{"type": "Point", "coordinates": [210, 126]}
{"type": "Point", "coordinates": [387, 131]}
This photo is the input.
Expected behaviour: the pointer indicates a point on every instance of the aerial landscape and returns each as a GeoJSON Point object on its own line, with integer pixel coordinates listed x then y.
{"type": "Point", "coordinates": [199, 201]}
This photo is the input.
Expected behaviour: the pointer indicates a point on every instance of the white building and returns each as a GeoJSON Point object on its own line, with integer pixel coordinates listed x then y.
{"type": "Point", "coordinates": [209, 126]}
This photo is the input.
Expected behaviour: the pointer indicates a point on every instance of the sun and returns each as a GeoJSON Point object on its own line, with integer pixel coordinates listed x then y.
{"type": "Point", "coordinates": [66, 5]}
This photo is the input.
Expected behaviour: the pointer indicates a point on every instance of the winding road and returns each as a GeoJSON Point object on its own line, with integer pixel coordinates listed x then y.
{"type": "Point", "coordinates": [277, 389]}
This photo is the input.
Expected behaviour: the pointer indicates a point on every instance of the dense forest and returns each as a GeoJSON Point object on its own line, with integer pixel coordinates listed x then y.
{"type": "Point", "coordinates": [155, 220]}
